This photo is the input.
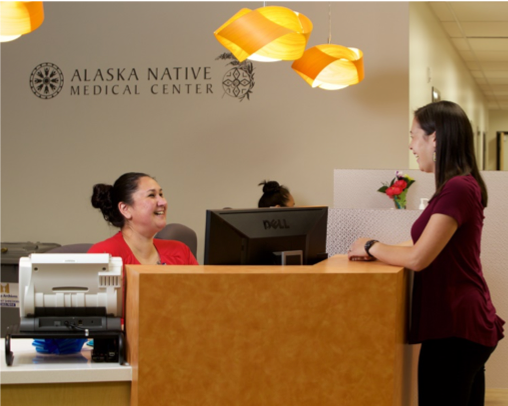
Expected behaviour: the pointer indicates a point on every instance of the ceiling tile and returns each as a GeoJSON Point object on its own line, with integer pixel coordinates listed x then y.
{"type": "Point", "coordinates": [496, 74]}
{"type": "Point", "coordinates": [479, 10]}
{"type": "Point", "coordinates": [492, 29]}
{"type": "Point", "coordinates": [441, 10]}
{"type": "Point", "coordinates": [468, 56]}
{"type": "Point", "coordinates": [486, 65]}
{"type": "Point", "coordinates": [488, 44]}
{"type": "Point", "coordinates": [497, 81]}
{"type": "Point", "coordinates": [460, 44]}
{"type": "Point", "coordinates": [452, 29]}
{"type": "Point", "coordinates": [501, 89]}
{"type": "Point", "coordinates": [496, 94]}
{"type": "Point", "coordinates": [473, 65]}
{"type": "Point", "coordinates": [479, 32]}
{"type": "Point", "coordinates": [503, 99]}
{"type": "Point", "coordinates": [485, 56]}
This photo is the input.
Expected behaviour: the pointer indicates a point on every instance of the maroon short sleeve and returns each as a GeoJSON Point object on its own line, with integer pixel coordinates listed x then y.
{"type": "Point", "coordinates": [456, 198]}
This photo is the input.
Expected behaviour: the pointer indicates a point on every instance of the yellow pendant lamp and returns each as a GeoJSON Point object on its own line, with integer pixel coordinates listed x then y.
{"type": "Point", "coordinates": [267, 34]}
{"type": "Point", "coordinates": [329, 66]}
{"type": "Point", "coordinates": [18, 18]}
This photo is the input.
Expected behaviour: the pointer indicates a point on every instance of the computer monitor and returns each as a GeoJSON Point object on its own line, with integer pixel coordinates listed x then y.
{"type": "Point", "coordinates": [266, 236]}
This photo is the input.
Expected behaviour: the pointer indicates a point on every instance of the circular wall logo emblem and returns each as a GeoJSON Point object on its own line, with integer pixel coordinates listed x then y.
{"type": "Point", "coordinates": [46, 80]}
{"type": "Point", "coordinates": [237, 82]}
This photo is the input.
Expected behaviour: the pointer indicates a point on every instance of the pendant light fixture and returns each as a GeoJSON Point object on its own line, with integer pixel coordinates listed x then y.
{"type": "Point", "coordinates": [329, 66]}
{"type": "Point", "coordinates": [267, 34]}
{"type": "Point", "coordinates": [18, 18]}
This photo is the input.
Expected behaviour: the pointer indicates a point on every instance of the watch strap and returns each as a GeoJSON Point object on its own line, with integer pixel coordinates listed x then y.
{"type": "Point", "coordinates": [368, 246]}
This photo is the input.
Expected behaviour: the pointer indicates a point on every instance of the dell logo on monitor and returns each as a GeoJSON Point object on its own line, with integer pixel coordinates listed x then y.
{"type": "Point", "coordinates": [275, 224]}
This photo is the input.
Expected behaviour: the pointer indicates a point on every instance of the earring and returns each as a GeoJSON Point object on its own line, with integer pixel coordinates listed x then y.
{"type": "Point", "coordinates": [434, 156]}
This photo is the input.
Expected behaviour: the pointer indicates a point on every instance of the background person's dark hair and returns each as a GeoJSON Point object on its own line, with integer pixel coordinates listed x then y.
{"type": "Point", "coordinates": [455, 154]}
{"type": "Point", "coordinates": [273, 194]}
{"type": "Point", "coordinates": [106, 197]}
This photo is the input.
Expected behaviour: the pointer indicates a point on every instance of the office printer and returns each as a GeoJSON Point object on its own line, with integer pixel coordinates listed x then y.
{"type": "Point", "coordinates": [71, 296]}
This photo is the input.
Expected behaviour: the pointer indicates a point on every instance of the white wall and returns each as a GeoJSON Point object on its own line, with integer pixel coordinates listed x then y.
{"type": "Point", "coordinates": [435, 62]}
{"type": "Point", "coordinates": [207, 151]}
{"type": "Point", "coordinates": [498, 121]}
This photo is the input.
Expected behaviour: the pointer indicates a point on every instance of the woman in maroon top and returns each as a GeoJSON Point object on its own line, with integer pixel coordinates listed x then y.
{"type": "Point", "coordinates": [452, 312]}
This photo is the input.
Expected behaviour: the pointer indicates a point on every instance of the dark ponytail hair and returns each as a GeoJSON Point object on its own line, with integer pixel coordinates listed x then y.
{"type": "Point", "coordinates": [106, 197]}
{"type": "Point", "coordinates": [455, 154]}
{"type": "Point", "coordinates": [273, 194]}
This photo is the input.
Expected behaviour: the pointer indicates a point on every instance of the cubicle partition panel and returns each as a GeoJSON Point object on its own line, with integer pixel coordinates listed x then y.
{"type": "Point", "coordinates": [388, 225]}
{"type": "Point", "coordinates": [495, 268]}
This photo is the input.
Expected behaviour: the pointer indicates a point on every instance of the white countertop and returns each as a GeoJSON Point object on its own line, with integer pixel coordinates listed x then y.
{"type": "Point", "coordinates": [30, 366]}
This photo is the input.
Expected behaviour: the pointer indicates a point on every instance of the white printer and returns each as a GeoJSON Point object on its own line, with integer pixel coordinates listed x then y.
{"type": "Point", "coordinates": [65, 295]}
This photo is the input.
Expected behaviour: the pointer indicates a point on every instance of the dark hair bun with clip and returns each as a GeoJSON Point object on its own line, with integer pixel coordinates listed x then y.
{"type": "Point", "coordinates": [274, 194]}
{"type": "Point", "coordinates": [107, 197]}
{"type": "Point", "coordinates": [270, 187]}
{"type": "Point", "coordinates": [101, 197]}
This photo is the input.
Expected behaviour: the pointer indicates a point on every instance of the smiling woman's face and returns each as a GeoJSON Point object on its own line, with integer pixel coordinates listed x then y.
{"type": "Point", "coordinates": [423, 147]}
{"type": "Point", "coordinates": [147, 214]}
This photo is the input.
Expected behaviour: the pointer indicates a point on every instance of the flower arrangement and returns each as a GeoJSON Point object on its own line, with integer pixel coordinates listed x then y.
{"type": "Point", "coordinates": [397, 189]}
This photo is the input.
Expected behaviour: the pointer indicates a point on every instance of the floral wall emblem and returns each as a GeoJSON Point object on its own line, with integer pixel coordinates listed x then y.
{"type": "Point", "coordinates": [238, 81]}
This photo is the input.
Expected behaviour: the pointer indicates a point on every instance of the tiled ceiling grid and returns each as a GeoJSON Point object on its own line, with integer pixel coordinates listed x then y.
{"type": "Point", "coordinates": [479, 32]}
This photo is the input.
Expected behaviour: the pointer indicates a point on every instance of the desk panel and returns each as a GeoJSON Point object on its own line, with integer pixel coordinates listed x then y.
{"type": "Point", "coordinates": [323, 335]}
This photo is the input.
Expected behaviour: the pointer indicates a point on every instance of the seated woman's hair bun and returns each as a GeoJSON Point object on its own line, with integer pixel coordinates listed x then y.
{"type": "Point", "coordinates": [107, 197]}
{"type": "Point", "coordinates": [101, 197]}
{"type": "Point", "coordinates": [270, 187]}
{"type": "Point", "coordinates": [274, 194]}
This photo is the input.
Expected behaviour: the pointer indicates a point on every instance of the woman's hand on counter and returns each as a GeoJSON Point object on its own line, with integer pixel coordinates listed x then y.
{"type": "Point", "coordinates": [357, 251]}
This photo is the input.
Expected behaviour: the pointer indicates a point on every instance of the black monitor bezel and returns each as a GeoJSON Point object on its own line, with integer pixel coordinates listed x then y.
{"type": "Point", "coordinates": [309, 258]}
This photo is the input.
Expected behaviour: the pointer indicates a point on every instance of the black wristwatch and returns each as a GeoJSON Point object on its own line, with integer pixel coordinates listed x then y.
{"type": "Point", "coordinates": [368, 246]}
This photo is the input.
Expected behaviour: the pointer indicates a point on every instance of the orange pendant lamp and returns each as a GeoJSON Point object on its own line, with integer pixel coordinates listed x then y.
{"type": "Point", "coordinates": [267, 34]}
{"type": "Point", "coordinates": [18, 18]}
{"type": "Point", "coordinates": [329, 66]}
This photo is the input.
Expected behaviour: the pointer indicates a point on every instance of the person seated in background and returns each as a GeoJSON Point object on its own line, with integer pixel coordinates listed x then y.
{"type": "Point", "coordinates": [135, 204]}
{"type": "Point", "coordinates": [275, 195]}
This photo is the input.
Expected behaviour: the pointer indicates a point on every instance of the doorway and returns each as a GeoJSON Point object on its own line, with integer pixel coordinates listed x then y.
{"type": "Point", "coordinates": [502, 151]}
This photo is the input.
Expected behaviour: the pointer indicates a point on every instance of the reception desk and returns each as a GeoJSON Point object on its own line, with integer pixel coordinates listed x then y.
{"type": "Point", "coordinates": [328, 334]}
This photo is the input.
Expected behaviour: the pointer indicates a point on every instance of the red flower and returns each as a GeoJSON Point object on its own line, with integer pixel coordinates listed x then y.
{"type": "Point", "coordinates": [394, 191]}
{"type": "Point", "coordinates": [400, 183]}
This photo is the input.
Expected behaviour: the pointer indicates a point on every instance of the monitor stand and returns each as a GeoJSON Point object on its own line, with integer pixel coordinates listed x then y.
{"type": "Point", "coordinates": [289, 257]}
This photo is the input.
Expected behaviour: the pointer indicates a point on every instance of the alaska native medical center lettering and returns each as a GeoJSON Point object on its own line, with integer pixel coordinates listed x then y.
{"type": "Point", "coordinates": [133, 82]}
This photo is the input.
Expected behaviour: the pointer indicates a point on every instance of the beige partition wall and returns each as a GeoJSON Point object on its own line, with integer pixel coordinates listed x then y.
{"type": "Point", "coordinates": [330, 334]}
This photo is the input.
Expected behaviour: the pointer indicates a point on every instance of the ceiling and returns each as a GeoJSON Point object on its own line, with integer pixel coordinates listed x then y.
{"type": "Point", "coordinates": [479, 32]}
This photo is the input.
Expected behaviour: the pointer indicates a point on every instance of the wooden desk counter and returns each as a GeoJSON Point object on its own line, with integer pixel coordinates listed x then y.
{"type": "Point", "coordinates": [329, 334]}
